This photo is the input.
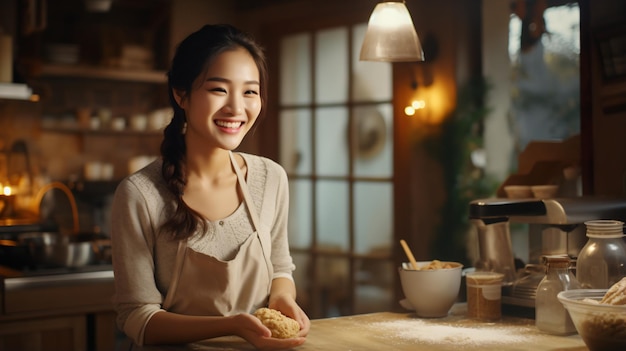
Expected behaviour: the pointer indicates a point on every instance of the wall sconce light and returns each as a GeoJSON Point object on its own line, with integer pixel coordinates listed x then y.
{"type": "Point", "coordinates": [391, 36]}
{"type": "Point", "coordinates": [423, 79]}
{"type": "Point", "coordinates": [414, 106]}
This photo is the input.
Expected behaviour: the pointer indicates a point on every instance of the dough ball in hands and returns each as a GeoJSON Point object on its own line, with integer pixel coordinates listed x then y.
{"type": "Point", "coordinates": [281, 326]}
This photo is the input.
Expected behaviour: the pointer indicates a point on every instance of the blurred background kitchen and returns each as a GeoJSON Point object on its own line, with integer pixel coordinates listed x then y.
{"type": "Point", "coordinates": [375, 151]}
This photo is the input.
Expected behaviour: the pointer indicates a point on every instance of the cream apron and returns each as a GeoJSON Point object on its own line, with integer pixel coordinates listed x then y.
{"type": "Point", "coordinates": [205, 285]}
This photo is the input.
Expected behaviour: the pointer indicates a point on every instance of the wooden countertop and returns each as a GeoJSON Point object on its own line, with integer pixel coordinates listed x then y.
{"type": "Point", "coordinates": [405, 331]}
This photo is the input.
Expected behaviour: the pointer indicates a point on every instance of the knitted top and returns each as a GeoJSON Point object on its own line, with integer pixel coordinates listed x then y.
{"type": "Point", "coordinates": [144, 258]}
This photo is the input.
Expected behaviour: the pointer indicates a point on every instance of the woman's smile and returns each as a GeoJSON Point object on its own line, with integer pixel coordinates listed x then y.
{"type": "Point", "coordinates": [230, 127]}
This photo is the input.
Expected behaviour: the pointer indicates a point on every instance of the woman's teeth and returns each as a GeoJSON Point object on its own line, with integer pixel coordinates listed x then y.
{"type": "Point", "coordinates": [227, 124]}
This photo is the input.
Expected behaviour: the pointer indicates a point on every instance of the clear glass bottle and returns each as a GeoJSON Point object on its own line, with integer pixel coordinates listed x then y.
{"type": "Point", "coordinates": [602, 261]}
{"type": "Point", "coordinates": [550, 315]}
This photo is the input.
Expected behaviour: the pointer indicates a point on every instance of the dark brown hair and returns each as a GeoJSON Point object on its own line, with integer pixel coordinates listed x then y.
{"type": "Point", "coordinates": [192, 58]}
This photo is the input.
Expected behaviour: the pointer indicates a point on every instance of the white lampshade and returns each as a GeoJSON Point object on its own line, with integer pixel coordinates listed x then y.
{"type": "Point", "coordinates": [391, 36]}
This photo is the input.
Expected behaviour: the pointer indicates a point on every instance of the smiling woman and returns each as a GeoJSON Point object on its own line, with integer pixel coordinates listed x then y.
{"type": "Point", "coordinates": [204, 208]}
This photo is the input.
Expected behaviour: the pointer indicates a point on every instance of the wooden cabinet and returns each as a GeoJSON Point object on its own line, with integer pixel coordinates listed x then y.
{"type": "Point", "coordinates": [83, 332]}
{"type": "Point", "coordinates": [63, 312]}
{"type": "Point", "coordinates": [131, 35]}
{"type": "Point", "coordinates": [79, 61]}
{"type": "Point", "coordinates": [114, 60]}
{"type": "Point", "coordinates": [45, 334]}
{"type": "Point", "coordinates": [105, 332]}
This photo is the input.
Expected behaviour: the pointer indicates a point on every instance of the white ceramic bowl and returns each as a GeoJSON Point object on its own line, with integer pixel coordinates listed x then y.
{"type": "Point", "coordinates": [518, 191]}
{"type": "Point", "coordinates": [431, 293]}
{"type": "Point", "coordinates": [601, 326]}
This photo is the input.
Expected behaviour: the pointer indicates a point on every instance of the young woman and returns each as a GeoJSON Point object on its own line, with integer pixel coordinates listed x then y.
{"type": "Point", "coordinates": [200, 235]}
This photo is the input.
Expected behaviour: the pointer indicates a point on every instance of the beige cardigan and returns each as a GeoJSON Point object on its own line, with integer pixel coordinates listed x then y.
{"type": "Point", "coordinates": [143, 259]}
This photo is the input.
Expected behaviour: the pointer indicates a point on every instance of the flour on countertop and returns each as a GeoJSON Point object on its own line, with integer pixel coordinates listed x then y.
{"type": "Point", "coordinates": [419, 330]}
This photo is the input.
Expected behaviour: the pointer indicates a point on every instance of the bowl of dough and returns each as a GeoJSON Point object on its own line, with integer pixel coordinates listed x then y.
{"type": "Point", "coordinates": [432, 288]}
{"type": "Point", "coordinates": [599, 315]}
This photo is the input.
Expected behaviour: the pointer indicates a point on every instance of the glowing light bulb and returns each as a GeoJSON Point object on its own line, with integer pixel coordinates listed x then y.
{"type": "Point", "coordinates": [418, 104]}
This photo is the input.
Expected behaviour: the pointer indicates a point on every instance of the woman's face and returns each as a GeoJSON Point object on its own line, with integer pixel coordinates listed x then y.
{"type": "Point", "coordinates": [224, 103]}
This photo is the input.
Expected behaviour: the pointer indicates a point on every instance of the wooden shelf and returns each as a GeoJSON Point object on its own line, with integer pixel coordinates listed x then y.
{"type": "Point", "coordinates": [104, 132]}
{"type": "Point", "coordinates": [93, 72]}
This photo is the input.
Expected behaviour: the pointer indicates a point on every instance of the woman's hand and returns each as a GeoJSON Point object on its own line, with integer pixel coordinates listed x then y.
{"type": "Point", "coordinates": [253, 331]}
{"type": "Point", "coordinates": [288, 306]}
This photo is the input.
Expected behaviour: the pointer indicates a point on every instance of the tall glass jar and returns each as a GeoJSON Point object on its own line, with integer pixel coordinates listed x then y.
{"type": "Point", "coordinates": [602, 261]}
{"type": "Point", "coordinates": [550, 315]}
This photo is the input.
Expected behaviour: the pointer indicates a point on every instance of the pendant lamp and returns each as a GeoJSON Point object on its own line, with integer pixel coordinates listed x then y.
{"type": "Point", "coordinates": [391, 36]}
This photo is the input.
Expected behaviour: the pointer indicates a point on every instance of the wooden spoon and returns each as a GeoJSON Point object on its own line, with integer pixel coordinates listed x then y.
{"type": "Point", "coordinates": [409, 254]}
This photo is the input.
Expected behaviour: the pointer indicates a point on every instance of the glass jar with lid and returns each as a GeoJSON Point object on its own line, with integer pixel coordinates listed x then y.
{"type": "Point", "coordinates": [602, 261]}
{"type": "Point", "coordinates": [550, 315]}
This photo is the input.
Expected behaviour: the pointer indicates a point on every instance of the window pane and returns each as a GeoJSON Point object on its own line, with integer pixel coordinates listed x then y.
{"type": "Point", "coordinates": [372, 298]}
{"type": "Point", "coordinates": [331, 66]}
{"type": "Point", "coordinates": [371, 80]}
{"type": "Point", "coordinates": [302, 276]}
{"type": "Point", "coordinates": [373, 127]}
{"type": "Point", "coordinates": [295, 70]}
{"type": "Point", "coordinates": [374, 286]}
{"type": "Point", "coordinates": [546, 79]}
{"type": "Point", "coordinates": [331, 141]}
{"type": "Point", "coordinates": [295, 141]}
{"type": "Point", "coordinates": [372, 217]}
{"type": "Point", "coordinates": [300, 223]}
{"type": "Point", "coordinates": [332, 215]}
{"type": "Point", "coordinates": [333, 275]}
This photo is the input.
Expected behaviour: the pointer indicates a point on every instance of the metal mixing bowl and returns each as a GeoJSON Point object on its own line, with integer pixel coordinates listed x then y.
{"type": "Point", "coordinates": [51, 249]}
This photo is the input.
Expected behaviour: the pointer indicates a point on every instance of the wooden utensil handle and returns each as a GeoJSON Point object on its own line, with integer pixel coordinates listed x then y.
{"type": "Point", "coordinates": [409, 254]}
